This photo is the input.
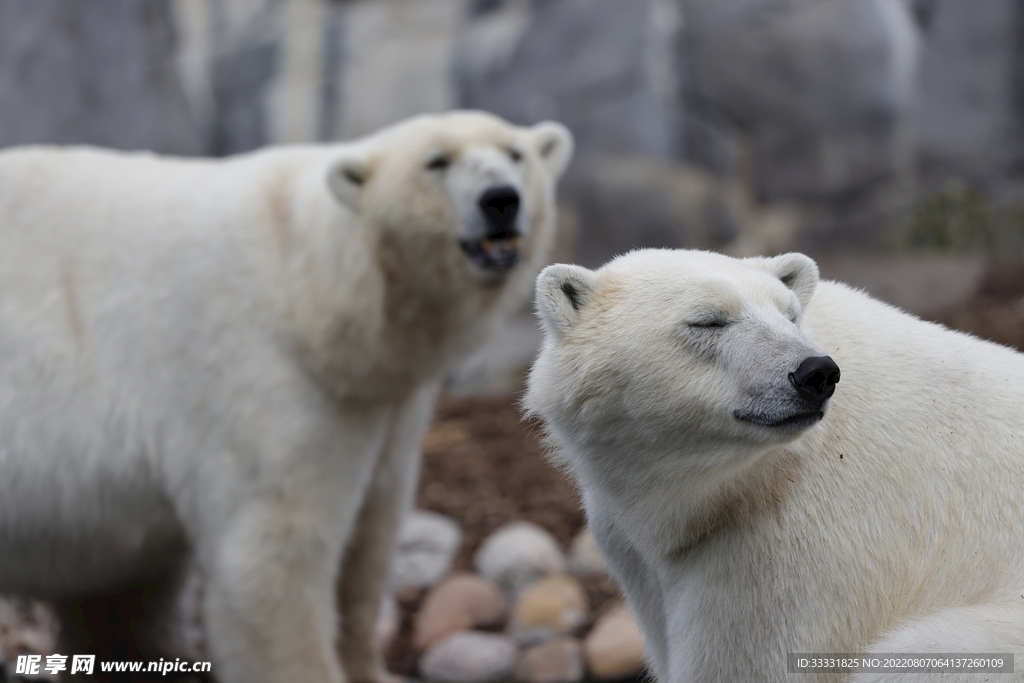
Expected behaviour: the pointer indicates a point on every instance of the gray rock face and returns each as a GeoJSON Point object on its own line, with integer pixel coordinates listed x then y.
{"type": "Point", "coordinates": [824, 87]}
{"type": "Point", "coordinates": [101, 72]}
{"type": "Point", "coordinates": [854, 108]}
{"type": "Point", "coordinates": [603, 67]}
{"type": "Point", "coordinates": [239, 80]}
{"type": "Point", "coordinates": [396, 62]}
{"type": "Point", "coordinates": [858, 106]}
{"type": "Point", "coordinates": [969, 104]}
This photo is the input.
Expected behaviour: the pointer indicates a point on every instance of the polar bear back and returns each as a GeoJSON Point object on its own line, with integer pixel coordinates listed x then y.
{"type": "Point", "coordinates": [135, 214]}
{"type": "Point", "coordinates": [936, 417]}
{"type": "Point", "coordinates": [196, 247]}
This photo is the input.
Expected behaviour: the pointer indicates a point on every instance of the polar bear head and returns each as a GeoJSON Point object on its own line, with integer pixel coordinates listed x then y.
{"type": "Point", "coordinates": [681, 351]}
{"type": "Point", "coordinates": [463, 179]}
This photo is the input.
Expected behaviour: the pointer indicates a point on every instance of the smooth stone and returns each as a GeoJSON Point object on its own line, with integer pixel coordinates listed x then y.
{"type": "Point", "coordinates": [585, 557]}
{"type": "Point", "coordinates": [469, 657]}
{"type": "Point", "coordinates": [559, 660]}
{"type": "Point", "coordinates": [552, 605]}
{"type": "Point", "coordinates": [614, 649]}
{"type": "Point", "coordinates": [427, 543]}
{"type": "Point", "coordinates": [518, 554]}
{"type": "Point", "coordinates": [460, 602]}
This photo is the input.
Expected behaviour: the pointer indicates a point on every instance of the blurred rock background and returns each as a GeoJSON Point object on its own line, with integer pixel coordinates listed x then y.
{"type": "Point", "coordinates": [744, 125]}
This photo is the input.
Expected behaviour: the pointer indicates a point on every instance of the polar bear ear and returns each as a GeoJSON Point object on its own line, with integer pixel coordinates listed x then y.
{"type": "Point", "coordinates": [554, 144]}
{"type": "Point", "coordinates": [562, 290]}
{"type": "Point", "coordinates": [798, 272]}
{"type": "Point", "coordinates": [347, 175]}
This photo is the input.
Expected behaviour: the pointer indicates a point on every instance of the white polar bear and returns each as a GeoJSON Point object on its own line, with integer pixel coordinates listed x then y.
{"type": "Point", "coordinates": [235, 360]}
{"type": "Point", "coordinates": [748, 515]}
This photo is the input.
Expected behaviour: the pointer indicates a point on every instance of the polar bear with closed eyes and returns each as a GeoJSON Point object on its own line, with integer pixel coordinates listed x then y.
{"type": "Point", "coordinates": [234, 361]}
{"type": "Point", "coordinates": [773, 464]}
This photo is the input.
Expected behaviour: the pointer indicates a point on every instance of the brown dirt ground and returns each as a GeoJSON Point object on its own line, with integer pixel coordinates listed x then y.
{"type": "Point", "coordinates": [484, 466]}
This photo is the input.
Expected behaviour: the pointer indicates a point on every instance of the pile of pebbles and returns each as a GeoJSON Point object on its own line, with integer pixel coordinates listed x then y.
{"type": "Point", "coordinates": [522, 615]}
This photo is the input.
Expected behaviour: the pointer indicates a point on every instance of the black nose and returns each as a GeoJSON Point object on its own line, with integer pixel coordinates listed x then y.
{"type": "Point", "coordinates": [816, 378]}
{"type": "Point", "coordinates": [500, 206]}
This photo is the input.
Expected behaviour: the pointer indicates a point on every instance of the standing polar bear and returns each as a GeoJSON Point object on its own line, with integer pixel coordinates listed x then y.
{"type": "Point", "coordinates": [234, 361]}
{"type": "Point", "coordinates": [746, 511]}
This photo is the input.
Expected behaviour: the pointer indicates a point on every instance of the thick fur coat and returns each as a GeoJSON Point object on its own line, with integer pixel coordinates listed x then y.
{"type": "Point", "coordinates": [234, 361]}
{"type": "Point", "coordinates": [744, 525]}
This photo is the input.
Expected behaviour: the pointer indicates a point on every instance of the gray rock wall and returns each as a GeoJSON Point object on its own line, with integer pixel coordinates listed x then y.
{"type": "Point", "coordinates": [101, 72]}
{"type": "Point", "coordinates": [851, 108]}
{"type": "Point", "coordinates": [824, 88]}
{"type": "Point", "coordinates": [967, 108]}
{"type": "Point", "coordinates": [604, 67]}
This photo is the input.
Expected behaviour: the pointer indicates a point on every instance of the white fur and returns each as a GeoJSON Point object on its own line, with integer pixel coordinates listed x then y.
{"type": "Point", "coordinates": [893, 524]}
{"type": "Point", "coordinates": [236, 360]}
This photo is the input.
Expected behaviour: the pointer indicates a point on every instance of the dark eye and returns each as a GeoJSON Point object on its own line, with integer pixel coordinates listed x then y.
{"type": "Point", "coordinates": [439, 162]}
{"type": "Point", "coordinates": [515, 155]}
{"type": "Point", "coordinates": [709, 324]}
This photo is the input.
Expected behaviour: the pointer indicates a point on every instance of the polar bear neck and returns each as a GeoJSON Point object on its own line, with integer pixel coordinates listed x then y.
{"type": "Point", "coordinates": [415, 315]}
{"type": "Point", "coordinates": [438, 315]}
{"type": "Point", "coordinates": [435, 309]}
{"type": "Point", "coordinates": [667, 502]}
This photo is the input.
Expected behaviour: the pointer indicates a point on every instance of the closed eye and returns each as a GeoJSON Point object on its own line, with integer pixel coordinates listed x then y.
{"type": "Point", "coordinates": [710, 324]}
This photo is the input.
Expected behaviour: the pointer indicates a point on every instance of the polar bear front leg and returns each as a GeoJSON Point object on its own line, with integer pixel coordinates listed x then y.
{"type": "Point", "coordinates": [367, 561]}
{"type": "Point", "coordinates": [268, 604]}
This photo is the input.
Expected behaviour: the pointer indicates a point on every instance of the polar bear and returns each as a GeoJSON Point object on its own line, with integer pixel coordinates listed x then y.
{"type": "Point", "coordinates": [233, 361]}
{"type": "Point", "coordinates": [750, 513]}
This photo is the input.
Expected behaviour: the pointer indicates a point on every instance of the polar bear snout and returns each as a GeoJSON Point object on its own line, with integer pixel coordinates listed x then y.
{"type": "Point", "coordinates": [497, 249]}
{"type": "Point", "coordinates": [500, 206]}
{"type": "Point", "coordinates": [815, 378]}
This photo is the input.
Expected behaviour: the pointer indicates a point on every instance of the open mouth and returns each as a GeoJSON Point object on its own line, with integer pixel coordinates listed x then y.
{"type": "Point", "coordinates": [798, 420]}
{"type": "Point", "coordinates": [497, 253]}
